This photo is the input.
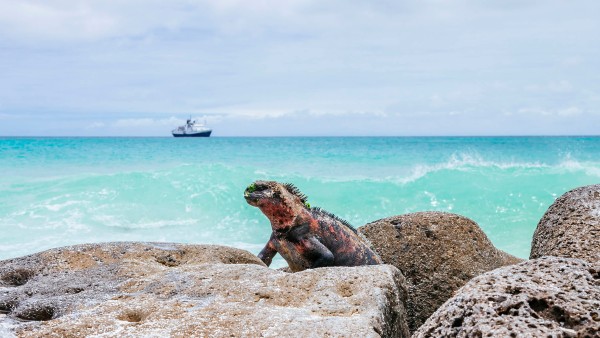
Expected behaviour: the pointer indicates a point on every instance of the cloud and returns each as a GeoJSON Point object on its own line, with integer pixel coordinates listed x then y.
{"type": "Point", "coordinates": [55, 20]}
{"type": "Point", "coordinates": [90, 20]}
{"type": "Point", "coordinates": [570, 111]}
{"type": "Point", "coordinates": [95, 19]}
{"type": "Point", "coordinates": [339, 61]}
{"type": "Point", "coordinates": [96, 125]}
{"type": "Point", "coordinates": [572, 61]}
{"type": "Point", "coordinates": [562, 86]}
{"type": "Point", "coordinates": [562, 112]}
{"type": "Point", "coordinates": [255, 113]}
{"type": "Point", "coordinates": [145, 122]}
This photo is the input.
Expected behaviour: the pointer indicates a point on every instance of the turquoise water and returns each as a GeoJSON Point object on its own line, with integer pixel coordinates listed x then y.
{"type": "Point", "coordinates": [63, 191]}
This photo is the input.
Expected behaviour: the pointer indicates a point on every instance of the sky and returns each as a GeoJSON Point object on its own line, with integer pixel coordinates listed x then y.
{"type": "Point", "coordinates": [300, 67]}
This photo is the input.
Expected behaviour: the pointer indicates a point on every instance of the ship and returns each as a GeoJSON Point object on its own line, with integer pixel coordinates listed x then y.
{"type": "Point", "coordinates": [192, 129]}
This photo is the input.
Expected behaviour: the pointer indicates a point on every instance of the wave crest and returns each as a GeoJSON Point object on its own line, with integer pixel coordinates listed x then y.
{"type": "Point", "coordinates": [466, 162]}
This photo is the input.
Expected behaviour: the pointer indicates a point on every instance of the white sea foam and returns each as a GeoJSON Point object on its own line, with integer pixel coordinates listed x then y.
{"type": "Point", "coordinates": [434, 202]}
{"type": "Point", "coordinates": [253, 247]}
{"type": "Point", "coordinates": [465, 164]}
{"type": "Point", "coordinates": [116, 222]}
{"type": "Point", "coordinates": [589, 168]}
{"type": "Point", "coordinates": [457, 162]}
{"type": "Point", "coordinates": [60, 206]}
{"type": "Point", "coordinates": [465, 160]}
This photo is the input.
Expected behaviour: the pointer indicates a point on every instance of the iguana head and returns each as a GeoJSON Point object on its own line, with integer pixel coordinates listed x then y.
{"type": "Point", "coordinates": [261, 192]}
{"type": "Point", "coordinates": [281, 203]}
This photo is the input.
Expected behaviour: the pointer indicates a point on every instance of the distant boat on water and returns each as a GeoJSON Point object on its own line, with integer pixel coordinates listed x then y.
{"type": "Point", "coordinates": [192, 129]}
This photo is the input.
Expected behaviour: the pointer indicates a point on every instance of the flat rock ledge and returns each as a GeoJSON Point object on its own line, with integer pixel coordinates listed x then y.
{"type": "Point", "coordinates": [571, 226]}
{"type": "Point", "coordinates": [437, 252]}
{"type": "Point", "coordinates": [177, 290]}
{"type": "Point", "coordinates": [545, 297]}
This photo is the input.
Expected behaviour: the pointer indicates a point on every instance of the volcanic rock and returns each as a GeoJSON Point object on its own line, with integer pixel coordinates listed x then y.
{"type": "Point", "coordinates": [437, 252]}
{"type": "Point", "coordinates": [164, 289]}
{"type": "Point", "coordinates": [571, 226]}
{"type": "Point", "coordinates": [545, 297]}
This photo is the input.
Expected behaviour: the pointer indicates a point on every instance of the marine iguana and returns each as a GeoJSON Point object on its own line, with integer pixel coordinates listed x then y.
{"type": "Point", "coordinates": [306, 237]}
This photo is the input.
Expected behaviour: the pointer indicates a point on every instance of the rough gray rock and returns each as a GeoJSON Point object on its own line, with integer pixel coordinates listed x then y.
{"type": "Point", "coordinates": [546, 297]}
{"type": "Point", "coordinates": [162, 289]}
{"type": "Point", "coordinates": [571, 226]}
{"type": "Point", "coordinates": [437, 252]}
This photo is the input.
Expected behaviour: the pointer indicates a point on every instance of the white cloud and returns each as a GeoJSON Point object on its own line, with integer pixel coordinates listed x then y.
{"type": "Point", "coordinates": [311, 112]}
{"type": "Point", "coordinates": [259, 114]}
{"type": "Point", "coordinates": [146, 122]}
{"type": "Point", "coordinates": [64, 20]}
{"type": "Point", "coordinates": [570, 111]}
{"type": "Point", "coordinates": [251, 113]}
{"type": "Point", "coordinates": [536, 111]}
{"type": "Point", "coordinates": [437, 100]}
{"type": "Point", "coordinates": [54, 20]}
{"type": "Point", "coordinates": [562, 112]}
{"type": "Point", "coordinates": [572, 61]}
{"type": "Point", "coordinates": [562, 86]}
{"type": "Point", "coordinates": [96, 125]}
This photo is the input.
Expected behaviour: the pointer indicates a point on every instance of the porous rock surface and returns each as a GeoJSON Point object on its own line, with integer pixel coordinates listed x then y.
{"type": "Point", "coordinates": [176, 290]}
{"type": "Point", "coordinates": [437, 253]}
{"type": "Point", "coordinates": [571, 226]}
{"type": "Point", "coordinates": [545, 297]}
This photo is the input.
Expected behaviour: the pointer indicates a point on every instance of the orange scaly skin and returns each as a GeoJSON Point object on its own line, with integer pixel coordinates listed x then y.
{"type": "Point", "coordinates": [306, 237]}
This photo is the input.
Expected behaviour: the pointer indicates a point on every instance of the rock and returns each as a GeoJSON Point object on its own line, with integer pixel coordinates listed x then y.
{"type": "Point", "coordinates": [546, 297]}
{"type": "Point", "coordinates": [437, 252]}
{"type": "Point", "coordinates": [571, 226]}
{"type": "Point", "coordinates": [161, 289]}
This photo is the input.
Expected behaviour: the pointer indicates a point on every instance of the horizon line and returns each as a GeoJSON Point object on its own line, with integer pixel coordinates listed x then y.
{"type": "Point", "coordinates": [300, 136]}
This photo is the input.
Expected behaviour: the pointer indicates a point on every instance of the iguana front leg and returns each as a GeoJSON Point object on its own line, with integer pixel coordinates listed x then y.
{"type": "Point", "coordinates": [268, 252]}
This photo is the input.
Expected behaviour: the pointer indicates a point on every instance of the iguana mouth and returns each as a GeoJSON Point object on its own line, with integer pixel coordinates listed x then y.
{"type": "Point", "coordinates": [254, 192]}
{"type": "Point", "coordinates": [251, 198]}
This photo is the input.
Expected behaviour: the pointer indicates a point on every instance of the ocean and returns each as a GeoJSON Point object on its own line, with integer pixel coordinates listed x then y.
{"type": "Point", "coordinates": [63, 191]}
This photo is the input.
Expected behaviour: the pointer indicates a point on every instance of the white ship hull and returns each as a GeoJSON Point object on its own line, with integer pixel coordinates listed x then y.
{"type": "Point", "coordinates": [192, 129]}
